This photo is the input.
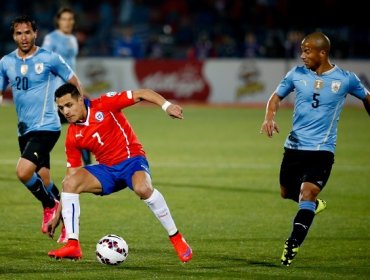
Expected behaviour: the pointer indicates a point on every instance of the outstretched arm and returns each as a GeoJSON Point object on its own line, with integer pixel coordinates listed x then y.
{"type": "Point", "coordinates": [173, 110]}
{"type": "Point", "coordinates": [269, 126]}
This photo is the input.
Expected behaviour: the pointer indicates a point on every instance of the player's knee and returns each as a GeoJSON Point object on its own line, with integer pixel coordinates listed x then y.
{"type": "Point", "coordinates": [69, 185]}
{"type": "Point", "coordinates": [284, 192]}
{"type": "Point", "coordinates": [144, 191]}
{"type": "Point", "coordinates": [24, 175]}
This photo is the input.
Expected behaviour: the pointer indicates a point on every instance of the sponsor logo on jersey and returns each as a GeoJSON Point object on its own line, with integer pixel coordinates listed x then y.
{"type": "Point", "coordinates": [79, 134]}
{"type": "Point", "coordinates": [99, 116]}
{"type": "Point", "coordinates": [24, 69]}
{"type": "Point", "coordinates": [319, 84]}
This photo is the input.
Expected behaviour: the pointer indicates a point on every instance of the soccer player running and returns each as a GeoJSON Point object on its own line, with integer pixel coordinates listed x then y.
{"type": "Point", "coordinates": [30, 71]}
{"type": "Point", "coordinates": [64, 42]}
{"type": "Point", "coordinates": [321, 88]}
{"type": "Point", "coordinates": [99, 126]}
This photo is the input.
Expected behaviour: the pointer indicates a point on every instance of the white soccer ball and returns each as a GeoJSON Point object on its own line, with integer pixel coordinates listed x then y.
{"type": "Point", "coordinates": [111, 249]}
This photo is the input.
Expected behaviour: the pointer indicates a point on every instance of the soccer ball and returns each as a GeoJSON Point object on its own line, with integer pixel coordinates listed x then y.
{"type": "Point", "coordinates": [111, 249]}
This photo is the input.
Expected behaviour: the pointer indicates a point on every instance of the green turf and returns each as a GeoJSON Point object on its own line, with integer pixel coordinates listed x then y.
{"type": "Point", "coordinates": [220, 179]}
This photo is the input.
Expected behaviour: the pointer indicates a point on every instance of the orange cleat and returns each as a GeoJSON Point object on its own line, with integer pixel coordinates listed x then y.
{"type": "Point", "coordinates": [72, 250]}
{"type": "Point", "coordinates": [182, 248]}
{"type": "Point", "coordinates": [49, 214]}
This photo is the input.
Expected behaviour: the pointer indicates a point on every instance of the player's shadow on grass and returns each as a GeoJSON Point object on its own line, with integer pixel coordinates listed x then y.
{"type": "Point", "coordinates": [247, 262]}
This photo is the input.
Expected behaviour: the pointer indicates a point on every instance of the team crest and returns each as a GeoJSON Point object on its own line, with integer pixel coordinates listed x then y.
{"type": "Point", "coordinates": [24, 69]}
{"type": "Point", "coordinates": [111, 93]}
{"type": "Point", "coordinates": [335, 85]}
{"type": "Point", "coordinates": [99, 116]}
{"type": "Point", "coordinates": [39, 67]}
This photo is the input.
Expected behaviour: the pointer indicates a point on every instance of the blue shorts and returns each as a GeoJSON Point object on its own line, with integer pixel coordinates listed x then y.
{"type": "Point", "coordinates": [117, 177]}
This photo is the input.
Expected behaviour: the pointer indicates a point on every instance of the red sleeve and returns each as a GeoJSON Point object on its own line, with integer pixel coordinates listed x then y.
{"type": "Point", "coordinates": [72, 152]}
{"type": "Point", "coordinates": [115, 101]}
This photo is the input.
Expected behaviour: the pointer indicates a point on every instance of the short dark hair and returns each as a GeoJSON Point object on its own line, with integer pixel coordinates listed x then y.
{"type": "Point", "coordinates": [62, 11]}
{"type": "Point", "coordinates": [23, 19]}
{"type": "Point", "coordinates": [67, 89]}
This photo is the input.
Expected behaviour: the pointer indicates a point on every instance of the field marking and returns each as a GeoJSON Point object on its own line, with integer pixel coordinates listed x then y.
{"type": "Point", "coordinates": [219, 165]}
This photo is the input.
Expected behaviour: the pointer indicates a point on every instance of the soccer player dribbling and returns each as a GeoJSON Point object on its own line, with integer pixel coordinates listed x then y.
{"type": "Point", "coordinates": [99, 126]}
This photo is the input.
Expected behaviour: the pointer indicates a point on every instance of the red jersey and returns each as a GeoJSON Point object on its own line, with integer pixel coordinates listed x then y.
{"type": "Point", "coordinates": [106, 132]}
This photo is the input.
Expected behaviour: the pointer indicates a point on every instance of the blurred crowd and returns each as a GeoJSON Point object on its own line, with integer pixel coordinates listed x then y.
{"type": "Point", "coordinates": [198, 29]}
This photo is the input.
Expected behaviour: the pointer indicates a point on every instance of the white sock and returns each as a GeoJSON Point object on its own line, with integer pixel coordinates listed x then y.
{"type": "Point", "coordinates": [71, 213]}
{"type": "Point", "coordinates": [159, 207]}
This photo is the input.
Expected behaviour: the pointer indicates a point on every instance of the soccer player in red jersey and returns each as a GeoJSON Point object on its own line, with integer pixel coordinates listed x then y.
{"type": "Point", "coordinates": [99, 126]}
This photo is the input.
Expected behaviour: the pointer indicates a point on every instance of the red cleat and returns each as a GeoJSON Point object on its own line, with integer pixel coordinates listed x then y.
{"type": "Point", "coordinates": [49, 214]}
{"type": "Point", "coordinates": [72, 250]}
{"type": "Point", "coordinates": [182, 248]}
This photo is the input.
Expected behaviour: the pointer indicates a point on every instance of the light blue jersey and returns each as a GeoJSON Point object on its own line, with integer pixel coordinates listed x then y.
{"type": "Point", "coordinates": [32, 81]}
{"type": "Point", "coordinates": [64, 44]}
{"type": "Point", "coordinates": [318, 104]}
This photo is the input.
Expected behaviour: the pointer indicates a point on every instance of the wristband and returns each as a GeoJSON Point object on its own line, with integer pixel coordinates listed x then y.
{"type": "Point", "coordinates": [166, 105]}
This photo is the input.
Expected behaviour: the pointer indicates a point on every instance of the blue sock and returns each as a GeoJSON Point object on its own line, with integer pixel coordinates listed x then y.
{"type": "Point", "coordinates": [37, 188]}
{"type": "Point", "coordinates": [308, 205]}
{"type": "Point", "coordinates": [32, 181]}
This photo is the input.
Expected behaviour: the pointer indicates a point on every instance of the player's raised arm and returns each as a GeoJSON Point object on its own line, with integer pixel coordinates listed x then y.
{"type": "Point", "coordinates": [173, 110]}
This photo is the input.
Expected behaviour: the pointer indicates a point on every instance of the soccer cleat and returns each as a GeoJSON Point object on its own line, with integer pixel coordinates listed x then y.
{"type": "Point", "coordinates": [49, 214]}
{"type": "Point", "coordinates": [290, 251]}
{"type": "Point", "coordinates": [182, 248]}
{"type": "Point", "coordinates": [72, 250]}
{"type": "Point", "coordinates": [320, 206]}
{"type": "Point", "coordinates": [63, 235]}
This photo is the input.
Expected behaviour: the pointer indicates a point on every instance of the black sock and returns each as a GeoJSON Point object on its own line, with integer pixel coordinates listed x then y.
{"type": "Point", "coordinates": [301, 225]}
{"type": "Point", "coordinates": [39, 191]}
{"type": "Point", "coordinates": [55, 192]}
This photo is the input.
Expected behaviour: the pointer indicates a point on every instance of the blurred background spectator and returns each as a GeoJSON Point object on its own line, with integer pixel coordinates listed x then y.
{"type": "Point", "coordinates": [199, 29]}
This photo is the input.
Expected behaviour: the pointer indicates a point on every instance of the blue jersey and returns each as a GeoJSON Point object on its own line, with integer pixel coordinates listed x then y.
{"type": "Point", "coordinates": [64, 44]}
{"type": "Point", "coordinates": [318, 104]}
{"type": "Point", "coordinates": [32, 81]}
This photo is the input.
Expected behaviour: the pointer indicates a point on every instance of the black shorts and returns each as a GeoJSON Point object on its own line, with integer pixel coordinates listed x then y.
{"type": "Point", "coordinates": [37, 145]}
{"type": "Point", "coordinates": [305, 166]}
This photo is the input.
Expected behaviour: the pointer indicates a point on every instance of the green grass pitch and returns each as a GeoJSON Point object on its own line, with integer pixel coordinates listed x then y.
{"type": "Point", "coordinates": [219, 176]}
